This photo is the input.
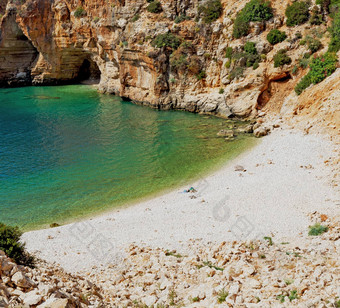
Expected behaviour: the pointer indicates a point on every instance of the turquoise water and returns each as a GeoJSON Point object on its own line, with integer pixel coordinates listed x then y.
{"type": "Point", "coordinates": [68, 152]}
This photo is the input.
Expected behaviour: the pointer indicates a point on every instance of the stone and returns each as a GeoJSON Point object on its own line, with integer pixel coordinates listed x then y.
{"type": "Point", "coordinates": [21, 280]}
{"type": "Point", "coordinates": [239, 168]}
{"type": "Point", "coordinates": [150, 300]}
{"type": "Point", "coordinates": [55, 303]}
{"type": "Point", "coordinates": [31, 298]}
{"type": "Point", "coordinates": [225, 133]}
{"type": "Point", "coordinates": [261, 131]}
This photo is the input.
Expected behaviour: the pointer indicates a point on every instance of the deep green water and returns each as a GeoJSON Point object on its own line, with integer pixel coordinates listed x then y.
{"type": "Point", "coordinates": [68, 152]}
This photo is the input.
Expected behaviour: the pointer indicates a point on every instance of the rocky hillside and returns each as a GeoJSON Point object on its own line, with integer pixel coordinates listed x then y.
{"type": "Point", "coordinates": [210, 56]}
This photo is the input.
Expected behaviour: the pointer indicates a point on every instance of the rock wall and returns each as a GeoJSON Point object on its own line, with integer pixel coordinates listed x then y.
{"type": "Point", "coordinates": [43, 42]}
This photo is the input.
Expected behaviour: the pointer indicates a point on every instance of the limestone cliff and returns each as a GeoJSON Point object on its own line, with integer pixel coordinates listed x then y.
{"type": "Point", "coordinates": [62, 41]}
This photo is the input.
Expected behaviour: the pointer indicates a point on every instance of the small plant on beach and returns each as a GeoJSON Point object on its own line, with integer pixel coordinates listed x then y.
{"type": "Point", "coordinates": [317, 229]}
{"type": "Point", "coordinates": [288, 281]}
{"type": "Point", "coordinates": [195, 299]}
{"type": "Point", "coordinates": [269, 239]}
{"type": "Point", "coordinates": [222, 295]}
{"type": "Point", "coordinates": [291, 296]}
{"type": "Point", "coordinates": [209, 264]}
{"type": "Point", "coordinates": [173, 253]}
{"type": "Point", "coordinates": [221, 91]}
{"type": "Point", "coordinates": [13, 248]}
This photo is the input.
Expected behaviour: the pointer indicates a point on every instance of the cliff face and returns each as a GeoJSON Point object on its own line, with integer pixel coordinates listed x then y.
{"type": "Point", "coordinates": [59, 41]}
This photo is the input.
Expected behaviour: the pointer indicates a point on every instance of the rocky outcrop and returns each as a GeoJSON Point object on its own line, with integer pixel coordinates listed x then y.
{"type": "Point", "coordinates": [63, 41]}
{"type": "Point", "coordinates": [46, 286]}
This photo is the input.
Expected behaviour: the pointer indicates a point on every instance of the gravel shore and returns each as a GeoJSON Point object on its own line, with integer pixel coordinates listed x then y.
{"type": "Point", "coordinates": [269, 191]}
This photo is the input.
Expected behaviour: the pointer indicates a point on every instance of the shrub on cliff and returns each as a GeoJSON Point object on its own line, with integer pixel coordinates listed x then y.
{"type": "Point", "coordinates": [313, 44]}
{"type": "Point", "coordinates": [10, 244]}
{"type": "Point", "coordinates": [297, 13]}
{"type": "Point", "coordinates": [334, 45]}
{"type": "Point", "coordinates": [166, 40]}
{"type": "Point", "coordinates": [154, 7]}
{"type": "Point", "coordinates": [255, 10]}
{"type": "Point", "coordinates": [281, 58]}
{"type": "Point", "coordinates": [320, 68]}
{"type": "Point", "coordinates": [316, 17]}
{"type": "Point", "coordinates": [276, 36]}
{"type": "Point", "coordinates": [210, 11]}
{"type": "Point", "coordinates": [79, 12]}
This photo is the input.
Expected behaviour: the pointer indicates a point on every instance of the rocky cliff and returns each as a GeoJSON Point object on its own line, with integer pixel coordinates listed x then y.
{"type": "Point", "coordinates": [115, 41]}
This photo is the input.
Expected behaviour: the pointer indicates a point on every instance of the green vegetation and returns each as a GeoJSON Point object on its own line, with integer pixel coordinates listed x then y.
{"type": "Point", "coordinates": [210, 11]}
{"type": "Point", "coordinates": [229, 52]}
{"type": "Point", "coordinates": [221, 91]}
{"type": "Point", "coordinates": [255, 10]}
{"type": "Point", "coordinates": [173, 254]}
{"type": "Point", "coordinates": [135, 18]}
{"type": "Point", "coordinates": [297, 13]}
{"type": "Point", "coordinates": [236, 73]}
{"type": "Point", "coordinates": [154, 7]}
{"type": "Point", "coordinates": [181, 18]}
{"type": "Point", "coordinates": [276, 36]}
{"type": "Point", "coordinates": [291, 296]}
{"type": "Point", "coordinates": [316, 18]}
{"type": "Point", "coordinates": [334, 45]}
{"type": "Point", "coordinates": [222, 295]}
{"type": "Point", "coordinates": [317, 229]}
{"type": "Point", "coordinates": [11, 245]}
{"type": "Point", "coordinates": [79, 12]}
{"type": "Point", "coordinates": [209, 264]}
{"type": "Point", "coordinates": [269, 239]}
{"type": "Point", "coordinates": [288, 281]}
{"type": "Point", "coordinates": [201, 75]}
{"type": "Point", "coordinates": [166, 40]}
{"type": "Point", "coordinates": [313, 44]}
{"type": "Point", "coordinates": [195, 299]}
{"type": "Point", "coordinates": [281, 58]}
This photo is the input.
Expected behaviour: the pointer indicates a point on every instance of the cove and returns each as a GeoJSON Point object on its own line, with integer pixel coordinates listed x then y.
{"type": "Point", "coordinates": [69, 152]}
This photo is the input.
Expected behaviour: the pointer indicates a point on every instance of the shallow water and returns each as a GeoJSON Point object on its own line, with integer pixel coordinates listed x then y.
{"type": "Point", "coordinates": [69, 152]}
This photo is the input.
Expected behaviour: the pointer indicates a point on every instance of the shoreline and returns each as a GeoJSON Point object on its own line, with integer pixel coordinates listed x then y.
{"type": "Point", "coordinates": [267, 199]}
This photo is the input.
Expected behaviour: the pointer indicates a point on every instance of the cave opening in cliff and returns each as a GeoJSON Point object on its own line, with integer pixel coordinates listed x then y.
{"type": "Point", "coordinates": [88, 72]}
{"type": "Point", "coordinates": [274, 92]}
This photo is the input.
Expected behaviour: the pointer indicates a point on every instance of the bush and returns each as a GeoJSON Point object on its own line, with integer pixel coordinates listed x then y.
{"type": "Point", "coordinates": [79, 12]}
{"type": "Point", "coordinates": [135, 18]}
{"type": "Point", "coordinates": [10, 244]}
{"type": "Point", "coordinates": [316, 18]}
{"type": "Point", "coordinates": [255, 10]}
{"type": "Point", "coordinates": [166, 40]}
{"type": "Point", "coordinates": [276, 36]}
{"type": "Point", "coordinates": [229, 52]}
{"type": "Point", "coordinates": [181, 18]}
{"type": "Point", "coordinates": [304, 83]}
{"type": "Point", "coordinates": [236, 73]}
{"type": "Point", "coordinates": [201, 75]}
{"type": "Point", "coordinates": [313, 44]}
{"type": "Point", "coordinates": [320, 68]}
{"type": "Point", "coordinates": [317, 229]}
{"type": "Point", "coordinates": [154, 7]}
{"type": "Point", "coordinates": [249, 47]}
{"type": "Point", "coordinates": [256, 65]}
{"type": "Point", "coordinates": [241, 27]}
{"type": "Point", "coordinates": [334, 45]}
{"type": "Point", "coordinates": [221, 91]}
{"type": "Point", "coordinates": [297, 13]}
{"type": "Point", "coordinates": [210, 11]}
{"type": "Point", "coordinates": [281, 58]}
